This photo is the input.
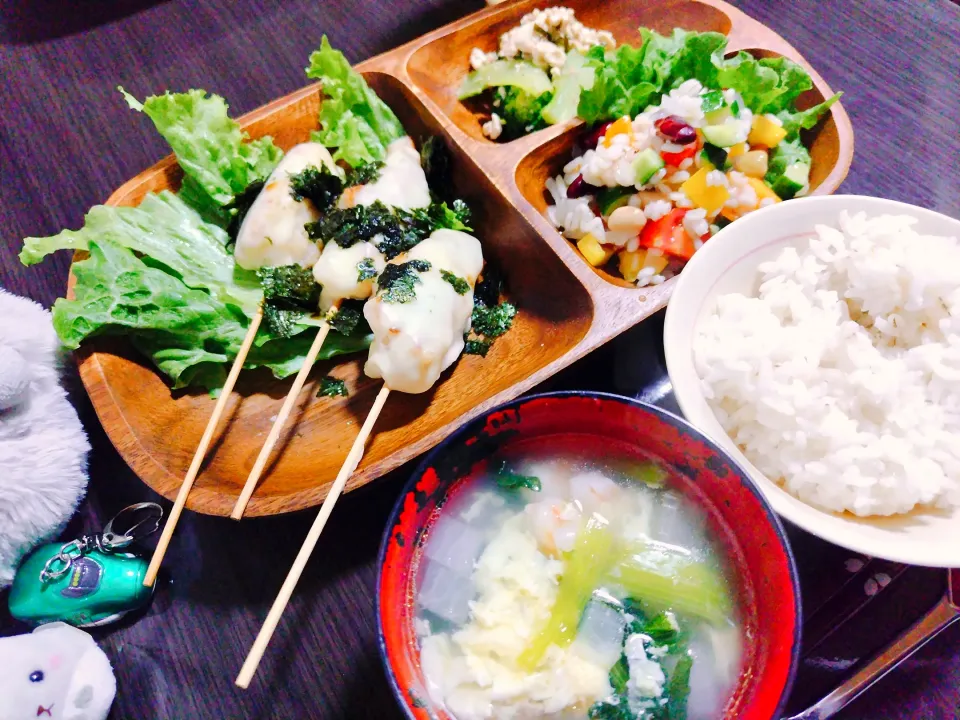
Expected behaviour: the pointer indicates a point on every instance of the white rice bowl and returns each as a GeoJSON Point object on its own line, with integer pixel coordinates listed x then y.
{"type": "Point", "coordinates": [855, 444]}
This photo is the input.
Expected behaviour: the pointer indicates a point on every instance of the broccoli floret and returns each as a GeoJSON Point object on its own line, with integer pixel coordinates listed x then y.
{"type": "Point", "coordinates": [520, 111]}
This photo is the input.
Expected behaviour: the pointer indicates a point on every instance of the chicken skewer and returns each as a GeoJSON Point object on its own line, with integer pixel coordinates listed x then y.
{"type": "Point", "coordinates": [277, 212]}
{"type": "Point", "coordinates": [419, 314]}
{"type": "Point", "coordinates": [401, 184]}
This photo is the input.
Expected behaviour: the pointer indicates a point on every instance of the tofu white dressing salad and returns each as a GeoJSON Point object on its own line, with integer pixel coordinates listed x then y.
{"type": "Point", "coordinates": [571, 589]}
{"type": "Point", "coordinates": [534, 76]}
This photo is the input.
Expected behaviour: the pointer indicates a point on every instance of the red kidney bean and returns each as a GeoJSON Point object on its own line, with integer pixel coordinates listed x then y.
{"type": "Point", "coordinates": [676, 130]}
{"type": "Point", "coordinates": [592, 138]}
{"type": "Point", "coordinates": [580, 187]}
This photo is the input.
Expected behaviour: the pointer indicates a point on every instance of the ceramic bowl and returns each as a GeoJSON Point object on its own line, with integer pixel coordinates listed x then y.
{"type": "Point", "coordinates": [748, 532]}
{"type": "Point", "coordinates": [728, 263]}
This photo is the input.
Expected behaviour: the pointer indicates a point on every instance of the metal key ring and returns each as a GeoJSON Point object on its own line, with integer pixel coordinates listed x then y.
{"type": "Point", "coordinates": [148, 525]}
{"type": "Point", "coordinates": [65, 557]}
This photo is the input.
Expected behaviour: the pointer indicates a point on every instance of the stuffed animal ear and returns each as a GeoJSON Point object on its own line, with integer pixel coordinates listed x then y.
{"type": "Point", "coordinates": [93, 688]}
{"type": "Point", "coordinates": [46, 627]}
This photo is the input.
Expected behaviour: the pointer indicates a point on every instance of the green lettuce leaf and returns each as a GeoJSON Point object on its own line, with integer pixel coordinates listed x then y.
{"type": "Point", "coordinates": [629, 79]}
{"type": "Point", "coordinates": [187, 333]}
{"type": "Point", "coordinates": [165, 231]}
{"type": "Point", "coordinates": [795, 121]}
{"type": "Point", "coordinates": [767, 85]}
{"type": "Point", "coordinates": [353, 118]}
{"type": "Point", "coordinates": [210, 146]}
{"type": "Point", "coordinates": [682, 56]}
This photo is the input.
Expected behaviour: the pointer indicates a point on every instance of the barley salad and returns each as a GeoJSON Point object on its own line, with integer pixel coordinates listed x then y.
{"type": "Point", "coordinates": [681, 141]}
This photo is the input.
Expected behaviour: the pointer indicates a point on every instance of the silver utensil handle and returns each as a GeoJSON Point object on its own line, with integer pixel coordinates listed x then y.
{"type": "Point", "coordinates": [929, 626]}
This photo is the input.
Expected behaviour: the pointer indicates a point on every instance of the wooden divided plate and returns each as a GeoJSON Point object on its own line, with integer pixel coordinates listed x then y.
{"type": "Point", "coordinates": [566, 307]}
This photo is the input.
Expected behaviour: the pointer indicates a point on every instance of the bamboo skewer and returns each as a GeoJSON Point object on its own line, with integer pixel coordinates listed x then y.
{"type": "Point", "coordinates": [276, 610]}
{"type": "Point", "coordinates": [201, 452]}
{"type": "Point", "coordinates": [278, 424]}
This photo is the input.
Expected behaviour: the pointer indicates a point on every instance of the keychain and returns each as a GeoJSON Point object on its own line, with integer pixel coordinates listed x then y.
{"type": "Point", "coordinates": [91, 581]}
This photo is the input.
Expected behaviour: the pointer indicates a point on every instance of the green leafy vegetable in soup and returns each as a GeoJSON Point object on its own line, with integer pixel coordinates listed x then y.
{"type": "Point", "coordinates": [508, 480]}
{"type": "Point", "coordinates": [589, 594]}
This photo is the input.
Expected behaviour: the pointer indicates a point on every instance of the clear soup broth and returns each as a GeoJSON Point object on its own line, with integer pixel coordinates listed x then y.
{"type": "Point", "coordinates": [574, 585]}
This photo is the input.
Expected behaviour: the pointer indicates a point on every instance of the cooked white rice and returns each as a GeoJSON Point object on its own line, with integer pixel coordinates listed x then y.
{"type": "Point", "coordinates": [841, 377]}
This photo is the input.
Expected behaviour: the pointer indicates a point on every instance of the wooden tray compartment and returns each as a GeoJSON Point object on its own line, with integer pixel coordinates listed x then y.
{"type": "Point", "coordinates": [566, 308]}
{"type": "Point", "coordinates": [439, 67]}
{"type": "Point", "coordinates": [547, 160]}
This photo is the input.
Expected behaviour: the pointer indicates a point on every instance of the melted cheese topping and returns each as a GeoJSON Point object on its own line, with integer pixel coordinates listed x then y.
{"type": "Point", "coordinates": [272, 232]}
{"type": "Point", "coordinates": [338, 272]}
{"type": "Point", "coordinates": [402, 182]}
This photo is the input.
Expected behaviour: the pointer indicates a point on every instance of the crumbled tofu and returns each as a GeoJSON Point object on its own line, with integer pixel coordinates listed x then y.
{"type": "Point", "coordinates": [478, 58]}
{"type": "Point", "coordinates": [544, 37]}
{"type": "Point", "coordinates": [647, 679]}
{"type": "Point", "coordinates": [493, 127]}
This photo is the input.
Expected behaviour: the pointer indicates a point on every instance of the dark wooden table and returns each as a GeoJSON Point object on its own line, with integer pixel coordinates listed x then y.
{"type": "Point", "coordinates": [67, 140]}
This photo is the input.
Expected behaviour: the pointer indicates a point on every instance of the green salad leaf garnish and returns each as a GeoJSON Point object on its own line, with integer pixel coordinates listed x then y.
{"type": "Point", "coordinates": [629, 79]}
{"type": "Point", "coordinates": [169, 234]}
{"type": "Point", "coordinates": [210, 146]}
{"type": "Point", "coordinates": [353, 118]}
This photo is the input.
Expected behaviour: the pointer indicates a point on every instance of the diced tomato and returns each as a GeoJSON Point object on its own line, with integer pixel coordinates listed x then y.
{"type": "Point", "coordinates": [668, 235]}
{"type": "Point", "coordinates": [675, 158]}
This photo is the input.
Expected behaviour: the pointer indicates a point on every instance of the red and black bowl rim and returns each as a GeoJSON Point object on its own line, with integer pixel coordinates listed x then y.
{"type": "Point", "coordinates": [765, 568]}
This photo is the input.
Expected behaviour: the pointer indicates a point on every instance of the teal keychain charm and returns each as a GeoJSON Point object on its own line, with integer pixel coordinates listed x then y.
{"type": "Point", "coordinates": [87, 582]}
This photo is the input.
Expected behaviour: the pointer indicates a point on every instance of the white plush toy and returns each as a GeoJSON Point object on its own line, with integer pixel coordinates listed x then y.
{"type": "Point", "coordinates": [57, 671]}
{"type": "Point", "coordinates": [43, 449]}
